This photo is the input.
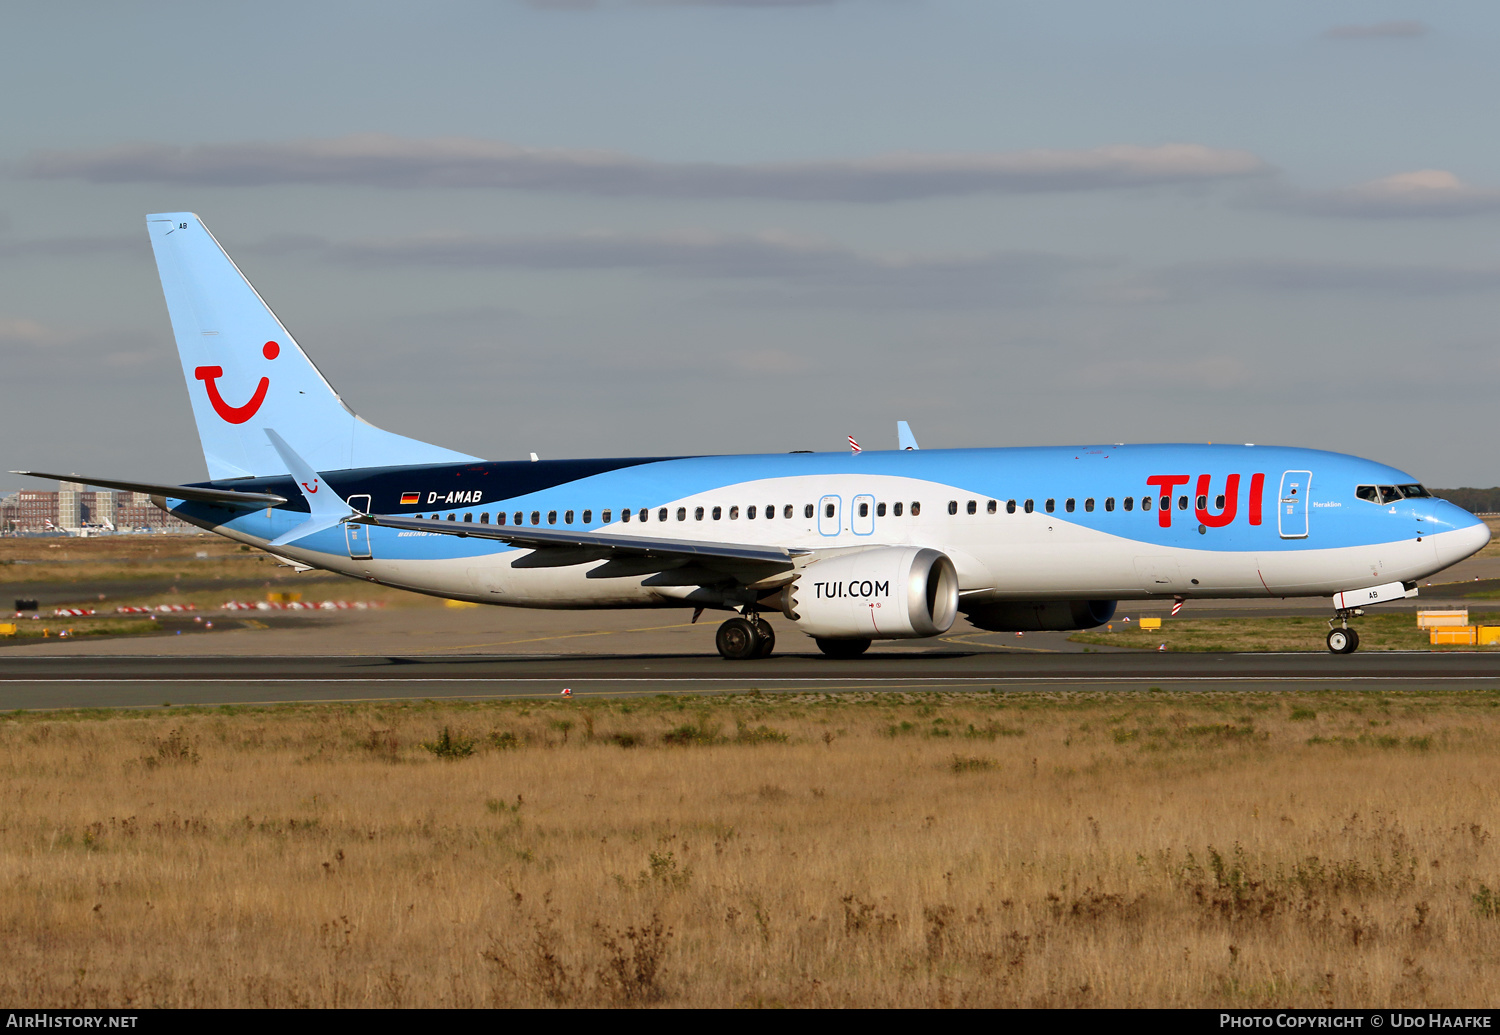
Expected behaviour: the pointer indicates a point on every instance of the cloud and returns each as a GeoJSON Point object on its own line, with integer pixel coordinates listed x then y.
{"type": "Point", "coordinates": [796, 269]}
{"type": "Point", "coordinates": [29, 333]}
{"type": "Point", "coordinates": [1294, 275]}
{"type": "Point", "coordinates": [1424, 193]}
{"type": "Point", "coordinates": [381, 160]}
{"type": "Point", "coordinates": [1377, 30]}
{"type": "Point", "coordinates": [592, 5]}
{"type": "Point", "coordinates": [739, 3]}
{"type": "Point", "coordinates": [72, 247]}
{"type": "Point", "coordinates": [1210, 373]}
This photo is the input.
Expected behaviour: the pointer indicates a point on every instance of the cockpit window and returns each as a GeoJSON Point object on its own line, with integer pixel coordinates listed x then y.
{"type": "Point", "coordinates": [1415, 492]}
{"type": "Point", "coordinates": [1389, 494]}
{"type": "Point", "coordinates": [1369, 493]}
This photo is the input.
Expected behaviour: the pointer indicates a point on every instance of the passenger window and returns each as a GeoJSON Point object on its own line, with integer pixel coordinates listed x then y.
{"type": "Point", "coordinates": [916, 508]}
{"type": "Point", "coordinates": [568, 518]}
{"type": "Point", "coordinates": [828, 510]}
{"type": "Point", "coordinates": [484, 518]}
{"type": "Point", "coordinates": [1109, 503]}
{"type": "Point", "coordinates": [1182, 503]}
{"type": "Point", "coordinates": [992, 506]}
{"type": "Point", "coordinates": [734, 513]}
{"type": "Point", "coordinates": [864, 510]}
{"type": "Point", "coordinates": [1145, 502]}
{"type": "Point", "coordinates": [605, 517]}
{"type": "Point", "coordinates": [518, 520]}
{"type": "Point", "coordinates": [625, 515]}
{"type": "Point", "coordinates": [749, 513]}
{"type": "Point", "coordinates": [1051, 506]}
{"type": "Point", "coordinates": [973, 507]}
{"type": "Point", "coordinates": [880, 510]}
{"type": "Point", "coordinates": [1202, 502]}
{"type": "Point", "coordinates": [896, 510]}
{"type": "Point", "coordinates": [718, 513]}
{"type": "Point", "coordinates": [500, 518]}
{"type": "Point", "coordinates": [770, 511]}
{"type": "Point", "coordinates": [588, 517]}
{"type": "Point", "coordinates": [1219, 502]}
{"type": "Point", "coordinates": [953, 506]}
{"type": "Point", "coordinates": [536, 517]}
{"type": "Point", "coordinates": [681, 513]}
{"type": "Point", "coordinates": [1129, 502]}
{"type": "Point", "coordinates": [807, 511]}
{"type": "Point", "coordinates": [469, 518]}
{"type": "Point", "coordinates": [1068, 505]}
{"type": "Point", "coordinates": [1088, 505]}
{"type": "Point", "coordinates": [1010, 506]}
{"type": "Point", "coordinates": [644, 514]}
{"type": "Point", "coordinates": [1166, 503]}
{"type": "Point", "coordinates": [451, 517]}
{"type": "Point", "coordinates": [697, 513]}
{"type": "Point", "coordinates": [661, 515]}
{"type": "Point", "coordinates": [1369, 493]}
{"type": "Point", "coordinates": [551, 517]}
{"type": "Point", "coordinates": [786, 511]}
{"type": "Point", "coordinates": [1029, 507]}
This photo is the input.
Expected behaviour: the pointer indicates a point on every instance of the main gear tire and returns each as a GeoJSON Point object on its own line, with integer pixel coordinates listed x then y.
{"type": "Point", "coordinates": [738, 640]}
{"type": "Point", "coordinates": [767, 639]}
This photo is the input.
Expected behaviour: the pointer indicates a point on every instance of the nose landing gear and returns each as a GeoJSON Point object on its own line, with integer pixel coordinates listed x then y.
{"type": "Point", "coordinates": [741, 639]}
{"type": "Point", "coordinates": [1343, 640]}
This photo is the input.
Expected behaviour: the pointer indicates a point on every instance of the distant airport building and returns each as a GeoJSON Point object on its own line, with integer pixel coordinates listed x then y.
{"type": "Point", "coordinates": [74, 510]}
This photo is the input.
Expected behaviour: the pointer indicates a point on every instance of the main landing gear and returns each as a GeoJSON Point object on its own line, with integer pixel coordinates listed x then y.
{"type": "Point", "coordinates": [1343, 640]}
{"type": "Point", "coordinates": [741, 639]}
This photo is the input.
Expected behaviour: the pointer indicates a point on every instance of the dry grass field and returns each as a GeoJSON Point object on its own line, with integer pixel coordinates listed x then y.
{"type": "Point", "coordinates": [1299, 849]}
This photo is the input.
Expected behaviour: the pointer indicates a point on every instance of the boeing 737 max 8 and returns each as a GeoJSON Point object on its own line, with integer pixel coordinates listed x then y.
{"type": "Point", "coordinates": [850, 547]}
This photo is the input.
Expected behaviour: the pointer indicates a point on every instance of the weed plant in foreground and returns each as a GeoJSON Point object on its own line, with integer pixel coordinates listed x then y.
{"type": "Point", "coordinates": [1245, 850]}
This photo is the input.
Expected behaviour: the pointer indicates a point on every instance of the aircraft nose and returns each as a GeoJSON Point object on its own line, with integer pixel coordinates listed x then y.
{"type": "Point", "coordinates": [1467, 538]}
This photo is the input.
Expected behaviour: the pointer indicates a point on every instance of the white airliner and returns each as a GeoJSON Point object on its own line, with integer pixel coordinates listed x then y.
{"type": "Point", "coordinates": [849, 547]}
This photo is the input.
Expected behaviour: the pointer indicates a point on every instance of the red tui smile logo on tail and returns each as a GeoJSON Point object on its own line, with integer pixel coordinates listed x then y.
{"type": "Point", "coordinates": [236, 414]}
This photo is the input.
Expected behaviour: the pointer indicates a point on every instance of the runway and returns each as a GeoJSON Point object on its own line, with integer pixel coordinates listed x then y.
{"type": "Point", "coordinates": [98, 681]}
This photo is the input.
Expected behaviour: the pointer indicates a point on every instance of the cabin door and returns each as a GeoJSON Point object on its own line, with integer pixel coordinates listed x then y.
{"type": "Point", "coordinates": [358, 536]}
{"type": "Point", "coordinates": [1291, 511]}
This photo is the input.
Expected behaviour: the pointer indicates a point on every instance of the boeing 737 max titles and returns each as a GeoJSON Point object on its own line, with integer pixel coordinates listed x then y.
{"type": "Point", "coordinates": [849, 547]}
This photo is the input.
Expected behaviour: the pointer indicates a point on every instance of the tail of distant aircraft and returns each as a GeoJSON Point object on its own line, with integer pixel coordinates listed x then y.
{"type": "Point", "coordinates": [245, 373]}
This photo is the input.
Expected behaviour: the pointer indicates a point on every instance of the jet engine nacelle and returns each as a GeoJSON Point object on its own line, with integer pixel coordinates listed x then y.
{"type": "Point", "coordinates": [1040, 615]}
{"type": "Point", "coordinates": [883, 594]}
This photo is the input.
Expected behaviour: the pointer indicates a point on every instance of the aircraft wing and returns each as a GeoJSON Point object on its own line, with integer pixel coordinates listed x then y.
{"type": "Point", "coordinates": [627, 554]}
{"type": "Point", "coordinates": [179, 492]}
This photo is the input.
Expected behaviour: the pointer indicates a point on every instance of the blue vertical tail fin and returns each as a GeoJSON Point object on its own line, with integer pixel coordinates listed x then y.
{"type": "Point", "coordinates": [245, 373]}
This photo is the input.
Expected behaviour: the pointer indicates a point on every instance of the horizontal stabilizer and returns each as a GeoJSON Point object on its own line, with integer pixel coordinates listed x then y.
{"type": "Point", "coordinates": [307, 528]}
{"type": "Point", "coordinates": [177, 492]}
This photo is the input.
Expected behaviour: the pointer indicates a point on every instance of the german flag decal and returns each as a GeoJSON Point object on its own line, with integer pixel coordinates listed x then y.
{"type": "Point", "coordinates": [410, 499]}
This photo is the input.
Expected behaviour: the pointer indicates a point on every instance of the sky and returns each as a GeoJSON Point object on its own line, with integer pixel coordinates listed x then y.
{"type": "Point", "coordinates": [658, 227]}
